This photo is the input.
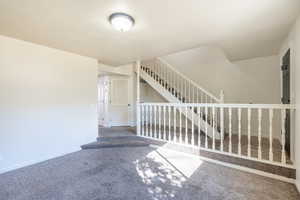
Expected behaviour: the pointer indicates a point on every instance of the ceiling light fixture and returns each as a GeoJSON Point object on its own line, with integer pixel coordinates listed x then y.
{"type": "Point", "coordinates": [121, 21]}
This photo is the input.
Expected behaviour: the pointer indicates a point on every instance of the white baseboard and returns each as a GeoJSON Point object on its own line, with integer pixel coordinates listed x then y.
{"type": "Point", "coordinates": [32, 162]}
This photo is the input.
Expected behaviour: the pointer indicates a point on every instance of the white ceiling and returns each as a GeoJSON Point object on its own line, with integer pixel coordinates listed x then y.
{"type": "Point", "coordinates": [243, 28]}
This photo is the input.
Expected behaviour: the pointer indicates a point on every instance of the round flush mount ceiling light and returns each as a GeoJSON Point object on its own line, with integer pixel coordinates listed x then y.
{"type": "Point", "coordinates": [121, 21]}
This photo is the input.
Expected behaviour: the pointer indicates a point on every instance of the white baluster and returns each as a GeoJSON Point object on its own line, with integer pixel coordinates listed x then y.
{"type": "Point", "coordinates": [193, 90]}
{"type": "Point", "coordinates": [186, 140]}
{"type": "Point", "coordinates": [199, 126]}
{"type": "Point", "coordinates": [160, 73]}
{"type": "Point", "coordinates": [183, 94]}
{"type": "Point", "coordinates": [150, 111]}
{"type": "Point", "coordinates": [283, 121]}
{"type": "Point", "coordinates": [174, 135]}
{"type": "Point", "coordinates": [249, 132]}
{"type": "Point", "coordinates": [146, 120]}
{"type": "Point", "coordinates": [142, 120]}
{"type": "Point", "coordinates": [169, 138]}
{"type": "Point", "coordinates": [259, 133]}
{"type": "Point", "coordinates": [181, 87]}
{"type": "Point", "coordinates": [230, 130]}
{"type": "Point", "coordinates": [213, 126]}
{"type": "Point", "coordinates": [210, 101]}
{"type": "Point", "coordinates": [165, 123]}
{"type": "Point", "coordinates": [190, 93]}
{"type": "Point", "coordinates": [271, 134]}
{"type": "Point", "coordinates": [222, 127]}
{"type": "Point", "coordinates": [166, 77]}
{"type": "Point", "coordinates": [239, 119]}
{"type": "Point", "coordinates": [193, 136]}
{"type": "Point", "coordinates": [173, 83]}
{"type": "Point", "coordinates": [159, 122]}
{"type": "Point", "coordinates": [154, 72]}
{"type": "Point", "coordinates": [155, 121]}
{"type": "Point", "coordinates": [170, 80]}
{"type": "Point", "coordinates": [206, 126]}
{"type": "Point", "coordinates": [185, 91]}
{"type": "Point", "coordinates": [157, 73]}
{"type": "Point", "coordinates": [201, 97]}
{"type": "Point", "coordinates": [180, 125]}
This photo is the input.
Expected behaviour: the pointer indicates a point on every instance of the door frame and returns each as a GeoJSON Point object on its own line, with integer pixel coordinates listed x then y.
{"type": "Point", "coordinates": [103, 99]}
{"type": "Point", "coordinates": [128, 105]}
{"type": "Point", "coordinates": [286, 95]}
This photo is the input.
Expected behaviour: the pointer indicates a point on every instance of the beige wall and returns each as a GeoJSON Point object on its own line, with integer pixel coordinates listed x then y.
{"type": "Point", "coordinates": [148, 94]}
{"type": "Point", "coordinates": [48, 103]}
{"type": "Point", "coordinates": [248, 81]}
{"type": "Point", "coordinates": [293, 42]}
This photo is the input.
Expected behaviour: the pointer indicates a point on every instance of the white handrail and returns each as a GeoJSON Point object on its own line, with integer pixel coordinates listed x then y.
{"type": "Point", "coordinates": [191, 81]}
{"type": "Point", "coordinates": [218, 105]}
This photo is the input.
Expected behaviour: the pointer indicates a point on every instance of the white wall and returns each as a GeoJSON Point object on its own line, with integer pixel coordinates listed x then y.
{"type": "Point", "coordinates": [293, 42]}
{"type": "Point", "coordinates": [48, 103]}
{"type": "Point", "coordinates": [255, 80]}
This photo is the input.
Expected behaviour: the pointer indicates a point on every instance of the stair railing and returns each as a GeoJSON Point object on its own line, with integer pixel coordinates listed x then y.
{"type": "Point", "coordinates": [253, 131]}
{"type": "Point", "coordinates": [182, 87]}
{"type": "Point", "coordinates": [179, 84]}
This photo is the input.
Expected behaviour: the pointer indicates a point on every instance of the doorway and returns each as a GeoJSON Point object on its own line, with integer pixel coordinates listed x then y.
{"type": "Point", "coordinates": [285, 99]}
{"type": "Point", "coordinates": [114, 103]}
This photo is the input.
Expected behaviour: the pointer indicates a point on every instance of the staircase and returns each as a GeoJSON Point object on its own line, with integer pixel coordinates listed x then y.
{"type": "Point", "coordinates": [256, 134]}
{"type": "Point", "coordinates": [177, 88]}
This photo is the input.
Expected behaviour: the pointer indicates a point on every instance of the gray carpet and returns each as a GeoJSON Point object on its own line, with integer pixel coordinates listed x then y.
{"type": "Point", "coordinates": [141, 173]}
{"type": "Point", "coordinates": [121, 166]}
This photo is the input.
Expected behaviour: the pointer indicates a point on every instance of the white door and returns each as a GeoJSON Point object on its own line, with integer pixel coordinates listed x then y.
{"type": "Point", "coordinates": [119, 102]}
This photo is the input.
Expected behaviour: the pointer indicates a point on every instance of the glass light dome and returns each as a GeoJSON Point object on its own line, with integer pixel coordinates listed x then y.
{"type": "Point", "coordinates": [121, 21]}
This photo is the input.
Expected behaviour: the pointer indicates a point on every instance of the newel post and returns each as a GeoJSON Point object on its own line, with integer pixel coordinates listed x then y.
{"type": "Point", "coordinates": [138, 117]}
{"type": "Point", "coordinates": [222, 96]}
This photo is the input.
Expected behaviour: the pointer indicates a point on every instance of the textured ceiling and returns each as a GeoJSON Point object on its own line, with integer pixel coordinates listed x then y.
{"type": "Point", "coordinates": [243, 28]}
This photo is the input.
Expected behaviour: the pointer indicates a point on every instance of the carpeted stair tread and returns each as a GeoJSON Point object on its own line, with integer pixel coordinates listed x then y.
{"type": "Point", "coordinates": [109, 142]}
{"type": "Point", "coordinates": [115, 138]}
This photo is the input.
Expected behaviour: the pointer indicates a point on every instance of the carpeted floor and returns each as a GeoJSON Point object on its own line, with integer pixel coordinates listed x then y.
{"type": "Point", "coordinates": [141, 173]}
